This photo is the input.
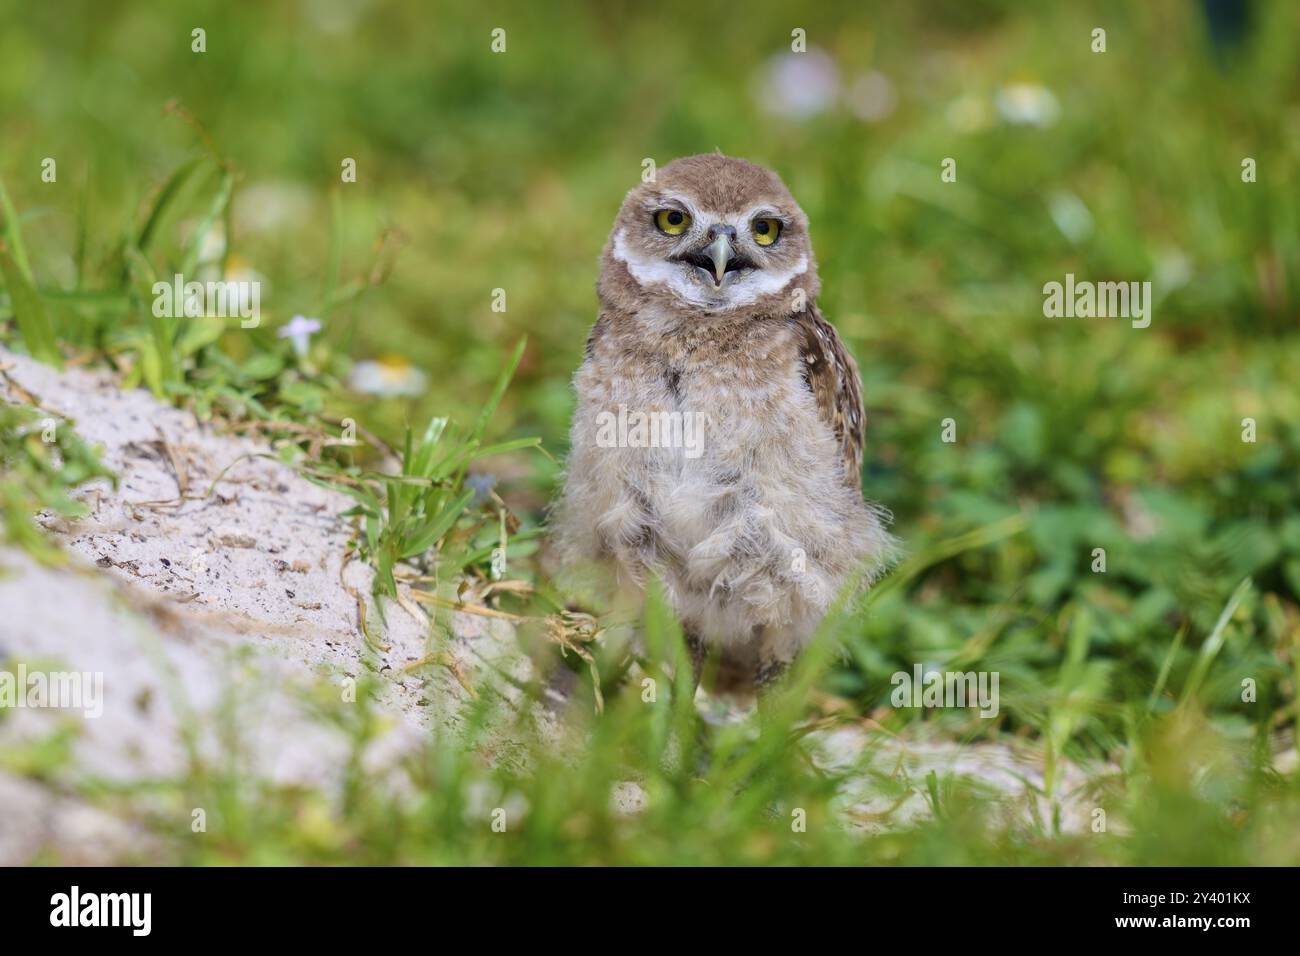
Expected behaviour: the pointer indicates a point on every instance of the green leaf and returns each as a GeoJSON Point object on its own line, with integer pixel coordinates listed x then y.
{"type": "Point", "coordinates": [308, 396]}
{"type": "Point", "coordinates": [199, 332]}
{"type": "Point", "coordinates": [151, 366]}
{"type": "Point", "coordinates": [262, 366]}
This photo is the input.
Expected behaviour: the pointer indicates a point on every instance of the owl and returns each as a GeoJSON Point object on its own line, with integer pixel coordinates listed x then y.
{"type": "Point", "coordinates": [718, 436]}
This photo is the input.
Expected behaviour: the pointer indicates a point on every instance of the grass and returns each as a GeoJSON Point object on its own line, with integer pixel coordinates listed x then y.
{"type": "Point", "coordinates": [416, 508]}
{"type": "Point", "coordinates": [42, 463]}
{"type": "Point", "coordinates": [1166, 662]}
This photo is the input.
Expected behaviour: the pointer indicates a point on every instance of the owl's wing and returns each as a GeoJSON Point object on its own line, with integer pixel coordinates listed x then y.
{"type": "Point", "coordinates": [830, 373]}
{"type": "Point", "coordinates": [595, 335]}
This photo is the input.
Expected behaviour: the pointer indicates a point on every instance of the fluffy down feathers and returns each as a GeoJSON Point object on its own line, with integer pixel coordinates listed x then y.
{"type": "Point", "coordinates": [755, 529]}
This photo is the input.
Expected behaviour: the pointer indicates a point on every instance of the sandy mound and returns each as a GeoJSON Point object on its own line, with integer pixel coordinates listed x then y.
{"type": "Point", "coordinates": [188, 604]}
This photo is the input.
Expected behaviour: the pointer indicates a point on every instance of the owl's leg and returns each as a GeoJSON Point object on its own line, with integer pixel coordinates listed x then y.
{"type": "Point", "coordinates": [776, 653]}
{"type": "Point", "coordinates": [698, 652]}
{"type": "Point", "coordinates": [693, 737]}
{"type": "Point", "coordinates": [768, 682]}
{"type": "Point", "coordinates": [768, 674]}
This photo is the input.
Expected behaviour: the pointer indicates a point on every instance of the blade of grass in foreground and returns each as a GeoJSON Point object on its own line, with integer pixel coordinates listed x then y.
{"type": "Point", "coordinates": [12, 234]}
{"type": "Point", "coordinates": [166, 196]}
{"type": "Point", "coordinates": [213, 215]}
{"type": "Point", "coordinates": [499, 390]}
{"type": "Point", "coordinates": [1214, 643]}
{"type": "Point", "coordinates": [424, 538]}
{"type": "Point", "coordinates": [29, 311]}
{"type": "Point", "coordinates": [157, 352]}
{"type": "Point", "coordinates": [1165, 666]}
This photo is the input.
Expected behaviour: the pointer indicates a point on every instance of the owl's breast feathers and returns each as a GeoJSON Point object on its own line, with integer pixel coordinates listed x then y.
{"type": "Point", "coordinates": [826, 368]}
{"type": "Point", "coordinates": [830, 373]}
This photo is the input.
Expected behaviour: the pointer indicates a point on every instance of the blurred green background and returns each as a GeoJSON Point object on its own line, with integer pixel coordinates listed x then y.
{"type": "Point", "coordinates": [485, 171]}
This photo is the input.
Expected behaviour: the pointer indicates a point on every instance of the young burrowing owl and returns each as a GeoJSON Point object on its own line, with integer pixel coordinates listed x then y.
{"type": "Point", "coordinates": [717, 441]}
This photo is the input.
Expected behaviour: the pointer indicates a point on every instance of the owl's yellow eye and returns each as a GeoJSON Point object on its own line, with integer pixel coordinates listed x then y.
{"type": "Point", "coordinates": [766, 231]}
{"type": "Point", "coordinates": [673, 222]}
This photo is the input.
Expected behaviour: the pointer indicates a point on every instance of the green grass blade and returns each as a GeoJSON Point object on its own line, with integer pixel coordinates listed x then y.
{"type": "Point", "coordinates": [159, 358]}
{"type": "Point", "coordinates": [83, 237]}
{"type": "Point", "coordinates": [1214, 643]}
{"type": "Point", "coordinates": [502, 447]}
{"type": "Point", "coordinates": [215, 212]}
{"type": "Point", "coordinates": [440, 525]}
{"type": "Point", "coordinates": [12, 234]}
{"type": "Point", "coordinates": [29, 311]}
{"type": "Point", "coordinates": [1165, 666]}
{"type": "Point", "coordinates": [498, 390]}
{"type": "Point", "coordinates": [166, 197]}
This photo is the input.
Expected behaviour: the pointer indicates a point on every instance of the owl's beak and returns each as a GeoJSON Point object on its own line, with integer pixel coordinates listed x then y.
{"type": "Point", "coordinates": [719, 252]}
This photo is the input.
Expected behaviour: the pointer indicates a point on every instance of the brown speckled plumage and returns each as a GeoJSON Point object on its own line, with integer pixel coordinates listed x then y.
{"type": "Point", "coordinates": [832, 376]}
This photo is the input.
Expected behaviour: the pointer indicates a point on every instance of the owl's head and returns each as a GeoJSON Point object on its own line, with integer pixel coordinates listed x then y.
{"type": "Point", "coordinates": [711, 233]}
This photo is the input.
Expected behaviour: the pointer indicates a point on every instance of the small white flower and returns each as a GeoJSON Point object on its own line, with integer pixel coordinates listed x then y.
{"type": "Point", "coordinates": [300, 330]}
{"type": "Point", "coordinates": [1071, 215]}
{"type": "Point", "coordinates": [390, 375]}
{"type": "Point", "coordinates": [871, 98]}
{"type": "Point", "coordinates": [1173, 270]}
{"type": "Point", "coordinates": [240, 278]}
{"type": "Point", "coordinates": [335, 16]}
{"type": "Point", "coordinates": [1027, 104]}
{"type": "Point", "coordinates": [798, 85]}
{"type": "Point", "coordinates": [267, 206]}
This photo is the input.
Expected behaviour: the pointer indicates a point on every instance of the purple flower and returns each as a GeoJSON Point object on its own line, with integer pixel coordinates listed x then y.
{"type": "Point", "coordinates": [300, 329]}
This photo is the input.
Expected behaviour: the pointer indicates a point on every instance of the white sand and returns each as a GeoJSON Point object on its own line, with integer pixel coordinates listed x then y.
{"type": "Point", "coordinates": [190, 606]}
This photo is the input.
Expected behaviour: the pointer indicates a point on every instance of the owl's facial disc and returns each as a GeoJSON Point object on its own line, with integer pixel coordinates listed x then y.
{"type": "Point", "coordinates": [705, 258]}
